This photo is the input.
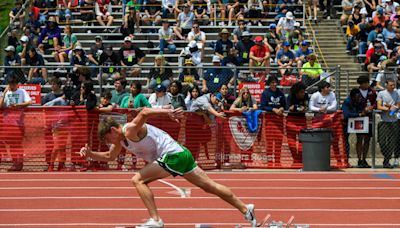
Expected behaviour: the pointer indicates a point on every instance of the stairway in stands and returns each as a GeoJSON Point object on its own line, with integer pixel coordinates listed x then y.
{"type": "Point", "coordinates": [332, 51]}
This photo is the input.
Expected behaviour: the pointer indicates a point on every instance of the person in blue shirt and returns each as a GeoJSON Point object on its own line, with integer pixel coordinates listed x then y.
{"type": "Point", "coordinates": [302, 53]}
{"type": "Point", "coordinates": [215, 77]}
{"type": "Point", "coordinates": [285, 58]}
{"type": "Point", "coordinates": [224, 44]}
{"type": "Point", "coordinates": [273, 100]}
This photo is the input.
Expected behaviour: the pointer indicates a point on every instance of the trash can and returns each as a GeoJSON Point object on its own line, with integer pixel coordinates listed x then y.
{"type": "Point", "coordinates": [316, 144]}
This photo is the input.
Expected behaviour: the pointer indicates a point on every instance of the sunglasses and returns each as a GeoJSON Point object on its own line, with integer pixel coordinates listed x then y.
{"type": "Point", "coordinates": [195, 26]}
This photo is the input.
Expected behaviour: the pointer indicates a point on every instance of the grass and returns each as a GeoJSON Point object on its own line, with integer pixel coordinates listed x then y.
{"type": "Point", "coordinates": [5, 8]}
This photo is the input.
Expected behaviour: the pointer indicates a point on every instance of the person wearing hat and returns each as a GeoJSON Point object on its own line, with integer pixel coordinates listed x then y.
{"type": "Point", "coordinates": [33, 24]}
{"type": "Point", "coordinates": [302, 53]}
{"type": "Point", "coordinates": [351, 31]}
{"type": "Point", "coordinates": [11, 59]}
{"type": "Point", "coordinates": [131, 55]}
{"type": "Point", "coordinates": [131, 19]}
{"type": "Point", "coordinates": [271, 38]}
{"type": "Point", "coordinates": [160, 98]}
{"type": "Point", "coordinates": [103, 13]}
{"type": "Point", "coordinates": [50, 36]}
{"type": "Point", "coordinates": [161, 73]}
{"type": "Point", "coordinates": [243, 47]}
{"type": "Point", "coordinates": [166, 37]}
{"type": "Point", "coordinates": [23, 48]}
{"type": "Point", "coordinates": [285, 58]}
{"type": "Point", "coordinates": [259, 55]}
{"type": "Point", "coordinates": [285, 25]}
{"type": "Point", "coordinates": [224, 44]}
{"type": "Point", "coordinates": [376, 58]}
{"type": "Point", "coordinates": [189, 76]}
{"type": "Point", "coordinates": [380, 39]}
{"type": "Point", "coordinates": [380, 17]}
{"type": "Point", "coordinates": [184, 22]}
{"type": "Point", "coordinates": [216, 76]}
{"type": "Point", "coordinates": [237, 32]}
{"type": "Point", "coordinates": [191, 52]}
{"type": "Point", "coordinates": [13, 14]}
{"type": "Point", "coordinates": [208, 102]}
{"type": "Point", "coordinates": [70, 40]}
{"type": "Point", "coordinates": [79, 57]}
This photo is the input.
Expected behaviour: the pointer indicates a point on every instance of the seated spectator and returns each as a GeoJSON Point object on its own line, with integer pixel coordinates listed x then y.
{"type": "Point", "coordinates": [285, 26]}
{"type": "Point", "coordinates": [50, 36]}
{"type": "Point", "coordinates": [296, 37]}
{"type": "Point", "coordinates": [351, 32]}
{"type": "Point", "coordinates": [56, 92]}
{"type": "Point", "coordinates": [12, 38]}
{"type": "Point", "coordinates": [323, 101]}
{"type": "Point", "coordinates": [96, 50]}
{"type": "Point", "coordinates": [283, 7]}
{"type": "Point", "coordinates": [357, 17]}
{"type": "Point", "coordinates": [192, 94]}
{"type": "Point", "coordinates": [239, 30]}
{"type": "Point", "coordinates": [79, 57]}
{"type": "Point", "coordinates": [200, 12]}
{"type": "Point", "coordinates": [207, 103]}
{"type": "Point", "coordinates": [259, 55]}
{"type": "Point", "coordinates": [184, 22]}
{"type": "Point", "coordinates": [36, 75]}
{"type": "Point", "coordinates": [13, 15]}
{"type": "Point", "coordinates": [136, 99]}
{"type": "Point", "coordinates": [226, 99]}
{"type": "Point", "coordinates": [70, 40]}
{"type": "Point", "coordinates": [243, 47]}
{"type": "Point", "coordinates": [189, 76]}
{"type": "Point", "coordinates": [380, 17]}
{"type": "Point", "coordinates": [131, 19]}
{"type": "Point", "coordinates": [131, 55]}
{"type": "Point", "coordinates": [386, 71]}
{"type": "Point", "coordinates": [63, 11]}
{"type": "Point", "coordinates": [152, 13]}
{"type": "Point", "coordinates": [232, 59]}
{"type": "Point", "coordinates": [255, 8]}
{"type": "Point", "coordinates": [85, 96]}
{"type": "Point", "coordinates": [109, 59]}
{"type": "Point", "coordinates": [23, 48]}
{"type": "Point", "coordinates": [390, 7]}
{"type": "Point", "coordinates": [347, 6]}
{"type": "Point", "coordinates": [302, 53]}
{"type": "Point", "coordinates": [311, 71]}
{"type": "Point", "coordinates": [219, 6]}
{"type": "Point", "coordinates": [11, 59]}
{"type": "Point", "coordinates": [103, 13]}
{"type": "Point", "coordinates": [388, 32]}
{"type": "Point", "coordinates": [377, 57]}
{"type": "Point", "coordinates": [87, 11]}
{"type": "Point", "coordinates": [33, 25]}
{"type": "Point", "coordinates": [271, 39]}
{"type": "Point", "coordinates": [232, 7]}
{"type": "Point", "coordinates": [215, 77]}
{"type": "Point", "coordinates": [224, 44]}
{"type": "Point", "coordinates": [298, 99]}
{"type": "Point", "coordinates": [160, 74]}
{"type": "Point", "coordinates": [168, 9]}
{"type": "Point", "coordinates": [197, 35]}
{"type": "Point", "coordinates": [105, 102]}
{"type": "Point", "coordinates": [312, 5]}
{"type": "Point", "coordinates": [245, 102]}
{"type": "Point", "coordinates": [119, 92]}
{"type": "Point", "coordinates": [160, 98]}
{"type": "Point", "coordinates": [285, 58]}
{"type": "Point", "coordinates": [191, 52]}
{"type": "Point", "coordinates": [176, 96]}
{"type": "Point", "coordinates": [166, 37]}
{"type": "Point", "coordinates": [372, 35]}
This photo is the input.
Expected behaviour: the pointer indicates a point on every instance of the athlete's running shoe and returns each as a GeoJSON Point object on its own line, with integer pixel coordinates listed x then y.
{"type": "Point", "coordinates": [250, 215]}
{"type": "Point", "coordinates": [152, 223]}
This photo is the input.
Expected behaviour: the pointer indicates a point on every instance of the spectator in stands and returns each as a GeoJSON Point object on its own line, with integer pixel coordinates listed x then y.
{"type": "Point", "coordinates": [130, 55]}
{"type": "Point", "coordinates": [356, 17]}
{"type": "Point", "coordinates": [191, 52]}
{"type": "Point", "coordinates": [197, 35]}
{"type": "Point", "coordinates": [105, 102]}
{"type": "Point", "coordinates": [87, 11]}
{"type": "Point", "coordinates": [232, 59]}
{"type": "Point", "coordinates": [82, 74]}
{"type": "Point", "coordinates": [109, 59]}
{"type": "Point", "coordinates": [302, 53]}
{"type": "Point", "coordinates": [297, 105]}
{"type": "Point", "coordinates": [272, 98]}
{"type": "Point", "coordinates": [176, 96]}
{"type": "Point", "coordinates": [192, 94]}
{"type": "Point", "coordinates": [136, 99]}
{"type": "Point", "coordinates": [209, 103]}
{"type": "Point", "coordinates": [259, 55]}
{"type": "Point", "coordinates": [131, 19]}
{"type": "Point", "coordinates": [14, 99]}
{"type": "Point", "coordinates": [36, 75]}
{"type": "Point", "coordinates": [311, 71]}
{"type": "Point", "coordinates": [23, 48]}
{"type": "Point", "coordinates": [103, 13]}
{"type": "Point", "coordinates": [232, 7]}
{"type": "Point", "coordinates": [238, 31]}
{"type": "Point", "coordinates": [282, 7]}
{"type": "Point", "coordinates": [323, 101]}
{"type": "Point", "coordinates": [390, 7]}
{"type": "Point", "coordinates": [224, 44]}
{"type": "Point", "coordinates": [160, 74]}
{"type": "Point", "coordinates": [285, 58]}
{"type": "Point", "coordinates": [200, 12]}
{"type": "Point", "coordinates": [296, 37]}
{"type": "Point", "coordinates": [86, 96]}
{"type": "Point", "coordinates": [160, 98]}
{"type": "Point", "coordinates": [119, 92]}
{"type": "Point", "coordinates": [347, 6]}
{"type": "Point", "coordinates": [271, 39]}
{"type": "Point", "coordinates": [33, 25]}
{"type": "Point", "coordinates": [285, 26]}
{"type": "Point", "coordinates": [388, 129]}
{"type": "Point", "coordinates": [245, 102]}
{"type": "Point", "coordinates": [255, 8]}
{"type": "Point", "coordinates": [215, 77]}
{"type": "Point", "coordinates": [380, 17]}
{"type": "Point", "coordinates": [377, 57]}
{"type": "Point", "coordinates": [351, 32]}
{"type": "Point", "coordinates": [215, 7]}
{"type": "Point", "coordinates": [13, 15]}
{"type": "Point", "coordinates": [189, 76]}
{"type": "Point", "coordinates": [50, 36]}
{"type": "Point", "coordinates": [166, 37]}
{"type": "Point", "coordinates": [79, 57]}
{"type": "Point", "coordinates": [243, 47]}
{"type": "Point", "coordinates": [184, 22]}
{"type": "Point", "coordinates": [152, 13]}
{"type": "Point", "coordinates": [385, 72]}
{"type": "Point", "coordinates": [388, 32]}
{"type": "Point", "coordinates": [94, 54]}
{"type": "Point", "coordinates": [63, 10]}
{"type": "Point", "coordinates": [56, 92]}
{"type": "Point", "coordinates": [312, 5]}
{"type": "Point", "coordinates": [11, 59]}
{"type": "Point", "coordinates": [372, 35]}
{"type": "Point", "coordinates": [226, 99]}
{"type": "Point", "coordinates": [168, 9]}
{"type": "Point", "coordinates": [70, 40]}
{"type": "Point", "coordinates": [12, 38]}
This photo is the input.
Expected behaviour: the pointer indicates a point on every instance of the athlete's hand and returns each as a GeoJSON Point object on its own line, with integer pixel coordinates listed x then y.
{"type": "Point", "coordinates": [85, 151]}
{"type": "Point", "coordinates": [176, 114]}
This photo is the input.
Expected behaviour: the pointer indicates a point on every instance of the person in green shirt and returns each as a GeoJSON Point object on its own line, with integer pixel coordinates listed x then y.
{"type": "Point", "coordinates": [311, 70]}
{"type": "Point", "coordinates": [119, 92]}
{"type": "Point", "coordinates": [70, 40]}
{"type": "Point", "coordinates": [136, 99]}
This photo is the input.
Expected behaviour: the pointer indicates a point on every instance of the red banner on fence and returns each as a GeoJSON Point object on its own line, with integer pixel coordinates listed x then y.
{"type": "Point", "coordinates": [34, 92]}
{"type": "Point", "coordinates": [47, 136]}
{"type": "Point", "coordinates": [255, 88]}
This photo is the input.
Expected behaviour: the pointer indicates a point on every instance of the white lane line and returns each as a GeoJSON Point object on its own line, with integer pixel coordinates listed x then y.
{"type": "Point", "coordinates": [198, 197]}
{"type": "Point", "coordinates": [198, 209]}
{"type": "Point", "coordinates": [216, 179]}
{"type": "Point", "coordinates": [191, 224]}
{"type": "Point", "coordinates": [179, 190]}
{"type": "Point", "coordinates": [247, 188]}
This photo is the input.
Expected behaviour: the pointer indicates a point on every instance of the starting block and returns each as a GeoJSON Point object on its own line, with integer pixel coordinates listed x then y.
{"type": "Point", "coordinates": [267, 222]}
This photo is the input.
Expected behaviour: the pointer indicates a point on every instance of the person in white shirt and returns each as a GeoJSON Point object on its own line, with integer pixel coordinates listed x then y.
{"type": "Point", "coordinates": [324, 100]}
{"type": "Point", "coordinates": [14, 99]}
{"type": "Point", "coordinates": [160, 98]}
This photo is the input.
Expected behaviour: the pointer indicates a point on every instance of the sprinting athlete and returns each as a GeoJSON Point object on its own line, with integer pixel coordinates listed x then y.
{"type": "Point", "coordinates": [165, 157]}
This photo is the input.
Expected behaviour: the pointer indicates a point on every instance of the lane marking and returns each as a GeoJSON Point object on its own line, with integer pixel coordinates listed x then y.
{"type": "Point", "coordinates": [179, 190]}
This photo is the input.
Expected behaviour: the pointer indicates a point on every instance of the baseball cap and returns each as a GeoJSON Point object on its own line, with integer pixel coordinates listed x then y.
{"type": "Point", "coordinates": [98, 37]}
{"type": "Point", "coordinates": [379, 37]}
{"type": "Point", "coordinates": [192, 44]}
{"type": "Point", "coordinates": [305, 43]}
{"type": "Point", "coordinates": [78, 48]}
{"type": "Point", "coordinates": [380, 11]}
{"type": "Point", "coordinates": [258, 39]}
{"type": "Point", "coordinates": [245, 33]}
{"type": "Point", "coordinates": [286, 44]}
{"type": "Point", "coordinates": [272, 26]}
{"type": "Point", "coordinates": [289, 15]}
{"type": "Point", "coordinates": [24, 39]}
{"type": "Point", "coordinates": [297, 24]}
{"type": "Point", "coordinates": [218, 96]}
{"type": "Point", "coordinates": [10, 48]}
{"type": "Point", "coordinates": [216, 59]}
{"type": "Point", "coordinates": [128, 38]}
{"type": "Point", "coordinates": [161, 88]}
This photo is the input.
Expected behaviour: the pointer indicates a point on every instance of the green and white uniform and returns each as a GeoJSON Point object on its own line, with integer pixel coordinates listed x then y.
{"type": "Point", "coordinates": [158, 146]}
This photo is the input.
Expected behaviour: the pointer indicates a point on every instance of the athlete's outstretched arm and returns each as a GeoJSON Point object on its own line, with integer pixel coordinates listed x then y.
{"type": "Point", "coordinates": [109, 155]}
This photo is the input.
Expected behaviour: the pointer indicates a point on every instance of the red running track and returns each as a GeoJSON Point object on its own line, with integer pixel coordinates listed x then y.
{"type": "Point", "coordinates": [107, 199]}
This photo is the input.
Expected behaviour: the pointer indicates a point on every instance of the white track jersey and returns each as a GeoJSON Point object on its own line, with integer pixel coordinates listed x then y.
{"type": "Point", "coordinates": [154, 145]}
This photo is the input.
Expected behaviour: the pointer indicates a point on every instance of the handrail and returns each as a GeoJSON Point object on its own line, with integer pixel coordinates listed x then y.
{"type": "Point", "coordinates": [16, 16]}
{"type": "Point", "coordinates": [316, 42]}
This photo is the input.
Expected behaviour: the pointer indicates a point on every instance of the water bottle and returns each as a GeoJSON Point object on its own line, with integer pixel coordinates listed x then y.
{"type": "Point", "coordinates": [392, 112]}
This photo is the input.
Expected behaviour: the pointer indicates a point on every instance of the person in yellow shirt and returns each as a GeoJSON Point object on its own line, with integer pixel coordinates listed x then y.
{"type": "Point", "coordinates": [311, 70]}
{"type": "Point", "coordinates": [351, 32]}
